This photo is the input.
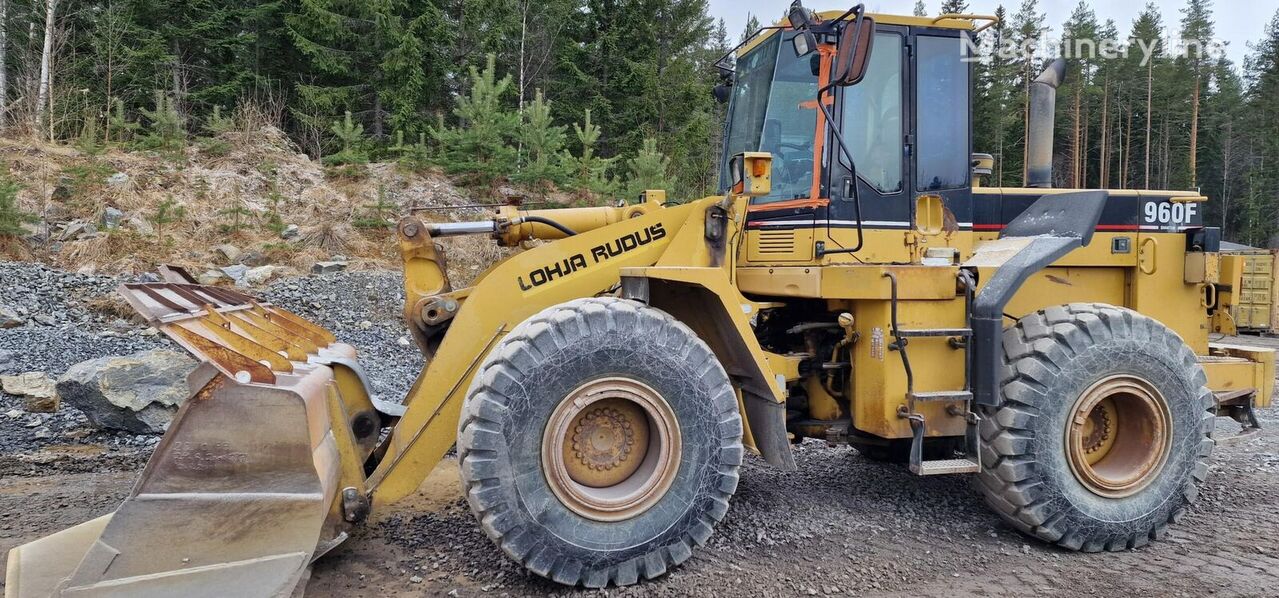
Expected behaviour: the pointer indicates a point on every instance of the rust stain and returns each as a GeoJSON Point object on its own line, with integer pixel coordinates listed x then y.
{"type": "Point", "coordinates": [1058, 280]}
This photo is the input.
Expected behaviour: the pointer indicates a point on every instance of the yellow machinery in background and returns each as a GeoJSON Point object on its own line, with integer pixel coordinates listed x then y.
{"type": "Point", "coordinates": [852, 284]}
{"type": "Point", "coordinates": [1249, 305]}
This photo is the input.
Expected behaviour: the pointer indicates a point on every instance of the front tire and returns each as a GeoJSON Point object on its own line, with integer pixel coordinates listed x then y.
{"type": "Point", "coordinates": [600, 443]}
{"type": "Point", "coordinates": [1104, 432]}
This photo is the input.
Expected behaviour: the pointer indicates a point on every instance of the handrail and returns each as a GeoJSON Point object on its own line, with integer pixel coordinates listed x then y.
{"type": "Point", "coordinates": [993, 20]}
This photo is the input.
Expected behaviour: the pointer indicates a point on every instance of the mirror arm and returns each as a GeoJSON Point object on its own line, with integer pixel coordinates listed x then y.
{"type": "Point", "coordinates": [843, 147]}
{"type": "Point", "coordinates": [852, 167]}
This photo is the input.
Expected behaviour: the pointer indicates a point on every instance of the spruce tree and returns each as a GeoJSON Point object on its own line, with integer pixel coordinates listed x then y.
{"type": "Point", "coordinates": [350, 135]}
{"type": "Point", "coordinates": [921, 10]}
{"type": "Point", "coordinates": [543, 142]}
{"type": "Point", "coordinates": [369, 57]}
{"type": "Point", "coordinates": [649, 169]}
{"type": "Point", "coordinates": [1262, 181]}
{"type": "Point", "coordinates": [165, 127]}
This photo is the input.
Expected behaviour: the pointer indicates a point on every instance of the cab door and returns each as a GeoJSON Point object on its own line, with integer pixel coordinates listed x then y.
{"type": "Point", "coordinates": [875, 122]}
{"type": "Point", "coordinates": [941, 140]}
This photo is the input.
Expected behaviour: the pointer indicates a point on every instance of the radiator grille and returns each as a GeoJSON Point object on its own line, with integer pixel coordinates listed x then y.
{"type": "Point", "coordinates": [772, 242]}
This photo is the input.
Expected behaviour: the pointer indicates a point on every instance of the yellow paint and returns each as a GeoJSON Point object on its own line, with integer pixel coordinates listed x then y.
{"type": "Point", "coordinates": [1237, 367]}
{"type": "Point", "coordinates": [879, 382]}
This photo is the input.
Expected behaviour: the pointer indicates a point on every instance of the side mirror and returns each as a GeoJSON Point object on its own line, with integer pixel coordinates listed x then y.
{"type": "Point", "coordinates": [752, 173]}
{"type": "Point", "coordinates": [853, 58]}
{"type": "Point", "coordinates": [722, 92]}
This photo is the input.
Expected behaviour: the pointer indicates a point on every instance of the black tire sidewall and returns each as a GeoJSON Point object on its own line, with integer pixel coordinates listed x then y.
{"type": "Point", "coordinates": [559, 351]}
{"type": "Point", "coordinates": [1158, 365]}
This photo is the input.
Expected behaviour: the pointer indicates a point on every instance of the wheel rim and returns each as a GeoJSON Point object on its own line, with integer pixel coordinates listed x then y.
{"type": "Point", "coordinates": [1118, 436]}
{"type": "Point", "coordinates": [611, 449]}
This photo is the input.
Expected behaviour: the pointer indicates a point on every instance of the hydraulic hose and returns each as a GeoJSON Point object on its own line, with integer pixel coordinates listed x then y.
{"type": "Point", "coordinates": [568, 232]}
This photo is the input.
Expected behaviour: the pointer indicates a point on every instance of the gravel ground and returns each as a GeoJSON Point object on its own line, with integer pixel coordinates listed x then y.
{"type": "Point", "coordinates": [839, 525]}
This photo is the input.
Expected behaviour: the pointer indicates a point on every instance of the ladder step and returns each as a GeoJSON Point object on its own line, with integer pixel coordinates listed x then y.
{"type": "Point", "coordinates": [948, 332]}
{"type": "Point", "coordinates": [941, 395]}
{"type": "Point", "coordinates": [946, 466]}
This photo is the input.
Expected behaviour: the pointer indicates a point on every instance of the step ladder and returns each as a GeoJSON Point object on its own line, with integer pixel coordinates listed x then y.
{"type": "Point", "coordinates": [960, 339]}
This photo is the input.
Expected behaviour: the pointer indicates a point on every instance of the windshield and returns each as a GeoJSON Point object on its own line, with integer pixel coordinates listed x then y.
{"type": "Point", "coordinates": [774, 110]}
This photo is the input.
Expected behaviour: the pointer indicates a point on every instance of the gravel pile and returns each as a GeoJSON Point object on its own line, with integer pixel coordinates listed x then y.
{"type": "Point", "coordinates": [363, 309]}
{"type": "Point", "coordinates": [59, 329]}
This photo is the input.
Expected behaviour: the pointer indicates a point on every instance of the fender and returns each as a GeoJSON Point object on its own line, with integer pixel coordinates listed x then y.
{"type": "Point", "coordinates": [1049, 229]}
{"type": "Point", "coordinates": [706, 301]}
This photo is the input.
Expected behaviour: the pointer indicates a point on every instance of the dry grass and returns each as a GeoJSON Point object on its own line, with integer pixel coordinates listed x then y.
{"type": "Point", "coordinates": [263, 175]}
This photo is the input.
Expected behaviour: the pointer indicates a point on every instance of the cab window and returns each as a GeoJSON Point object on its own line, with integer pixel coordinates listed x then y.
{"type": "Point", "coordinates": [941, 105]}
{"type": "Point", "coordinates": [774, 110]}
{"type": "Point", "coordinates": [872, 117]}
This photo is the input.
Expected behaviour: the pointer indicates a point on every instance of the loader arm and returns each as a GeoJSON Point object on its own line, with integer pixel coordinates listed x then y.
{"type": "Point", "coordinates": [583, 265]}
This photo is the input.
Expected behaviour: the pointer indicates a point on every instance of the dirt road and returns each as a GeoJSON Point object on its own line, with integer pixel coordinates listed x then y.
{"type": "Point", "coordinates": [840, 525]}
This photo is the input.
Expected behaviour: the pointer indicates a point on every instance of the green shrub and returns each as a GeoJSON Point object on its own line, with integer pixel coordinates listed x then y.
{"type": "Point", "coordinates": [12, 218]}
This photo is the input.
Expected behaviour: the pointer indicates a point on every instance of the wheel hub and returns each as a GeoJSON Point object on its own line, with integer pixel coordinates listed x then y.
{"type": "Point", "coordinates": [609, 442]}
{"type": "Point", "coordinates": [611, 449]}
{"type": "Point", "coordinates": [1118, 436]}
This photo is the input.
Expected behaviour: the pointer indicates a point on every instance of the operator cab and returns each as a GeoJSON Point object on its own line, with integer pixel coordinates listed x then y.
{"type": "Point", "coordinates": [906, 126]}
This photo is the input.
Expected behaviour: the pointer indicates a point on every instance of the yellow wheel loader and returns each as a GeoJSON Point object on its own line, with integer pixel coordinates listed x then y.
{"type": "Point", "coordinates": [854, 283]}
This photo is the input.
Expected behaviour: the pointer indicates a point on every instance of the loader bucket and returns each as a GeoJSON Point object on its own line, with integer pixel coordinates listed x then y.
{"type": "Point", "coordinates": [246, 487]}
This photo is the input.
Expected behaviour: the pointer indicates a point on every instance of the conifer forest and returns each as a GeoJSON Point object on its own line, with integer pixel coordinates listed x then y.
{"type": "Point", "coordinates": [601, 98]}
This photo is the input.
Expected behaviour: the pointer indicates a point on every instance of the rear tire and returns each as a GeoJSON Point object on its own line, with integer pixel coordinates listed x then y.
{"type": "Point", "coordinates": [538, 385]}
{"type": "Point", "coordinates": [1059, 466]}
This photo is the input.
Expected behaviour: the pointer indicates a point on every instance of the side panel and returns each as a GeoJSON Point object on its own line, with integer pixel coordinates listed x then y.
{"type": "Point", "coordinates": [879, 378]}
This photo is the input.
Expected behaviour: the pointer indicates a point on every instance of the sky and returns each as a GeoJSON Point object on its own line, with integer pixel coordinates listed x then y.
{"type": "Point", "coordinates": [1237, 21]}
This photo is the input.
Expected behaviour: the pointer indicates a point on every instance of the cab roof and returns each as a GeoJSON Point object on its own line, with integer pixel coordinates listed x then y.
{"type": "Point", "coordinates": [959, 22]}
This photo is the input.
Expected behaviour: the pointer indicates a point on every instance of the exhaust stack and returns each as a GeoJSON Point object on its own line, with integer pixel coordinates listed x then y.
{"type": "Point", "coordinates": [1039, 125]}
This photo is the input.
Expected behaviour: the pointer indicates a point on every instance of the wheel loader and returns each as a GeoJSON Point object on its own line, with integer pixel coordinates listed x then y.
{"type": "Point", "coordinates": [855, 282]}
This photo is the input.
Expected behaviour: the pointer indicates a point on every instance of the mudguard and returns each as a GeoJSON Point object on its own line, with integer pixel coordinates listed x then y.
{"type": "Point", "coordinates": [1048, 230]}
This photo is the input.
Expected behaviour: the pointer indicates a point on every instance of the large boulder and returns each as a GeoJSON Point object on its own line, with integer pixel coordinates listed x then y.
{"type": "Point", "coordinates": [9, 317]}
{"type": "Point", "coordinates": [138, 393]}
{"type": "Point", "coordinates": [36, 387]}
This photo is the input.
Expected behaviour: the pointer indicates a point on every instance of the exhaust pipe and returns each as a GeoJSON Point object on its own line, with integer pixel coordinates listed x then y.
{"type": "Point", "coordinates": [1039, 125]}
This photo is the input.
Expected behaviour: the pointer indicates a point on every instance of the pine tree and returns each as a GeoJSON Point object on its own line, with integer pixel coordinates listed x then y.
{"type": "Point", "coordinates": [921, 10]}
{"type": "Point", "coordinates": [1140, 66]}
{"type": "Point", "coordinates": [1026, 30]}
{"type": "Point", "coordinates": [1079, 35]}
{"type": "Point", "coordinates": [752, 26]}
{"type": "Point", "coordinates": [589, 172]}
{"type": "Point", "coordinates": [351, 136]}
{"type": "Point", "coordinates": [995, 100]}
{"type": "Point", "coordinates": [649, 169]}
{"type": "Point", "coordinates": [954, 7]}
{"type": "Point", "coordinates": [165, 127]}
{"type": "Point", "coordinates": [1197, 32]}
{"type": "Point", "coordinates": [543, 141]}
{"type": "Point", "coordinates": [479, 148]}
